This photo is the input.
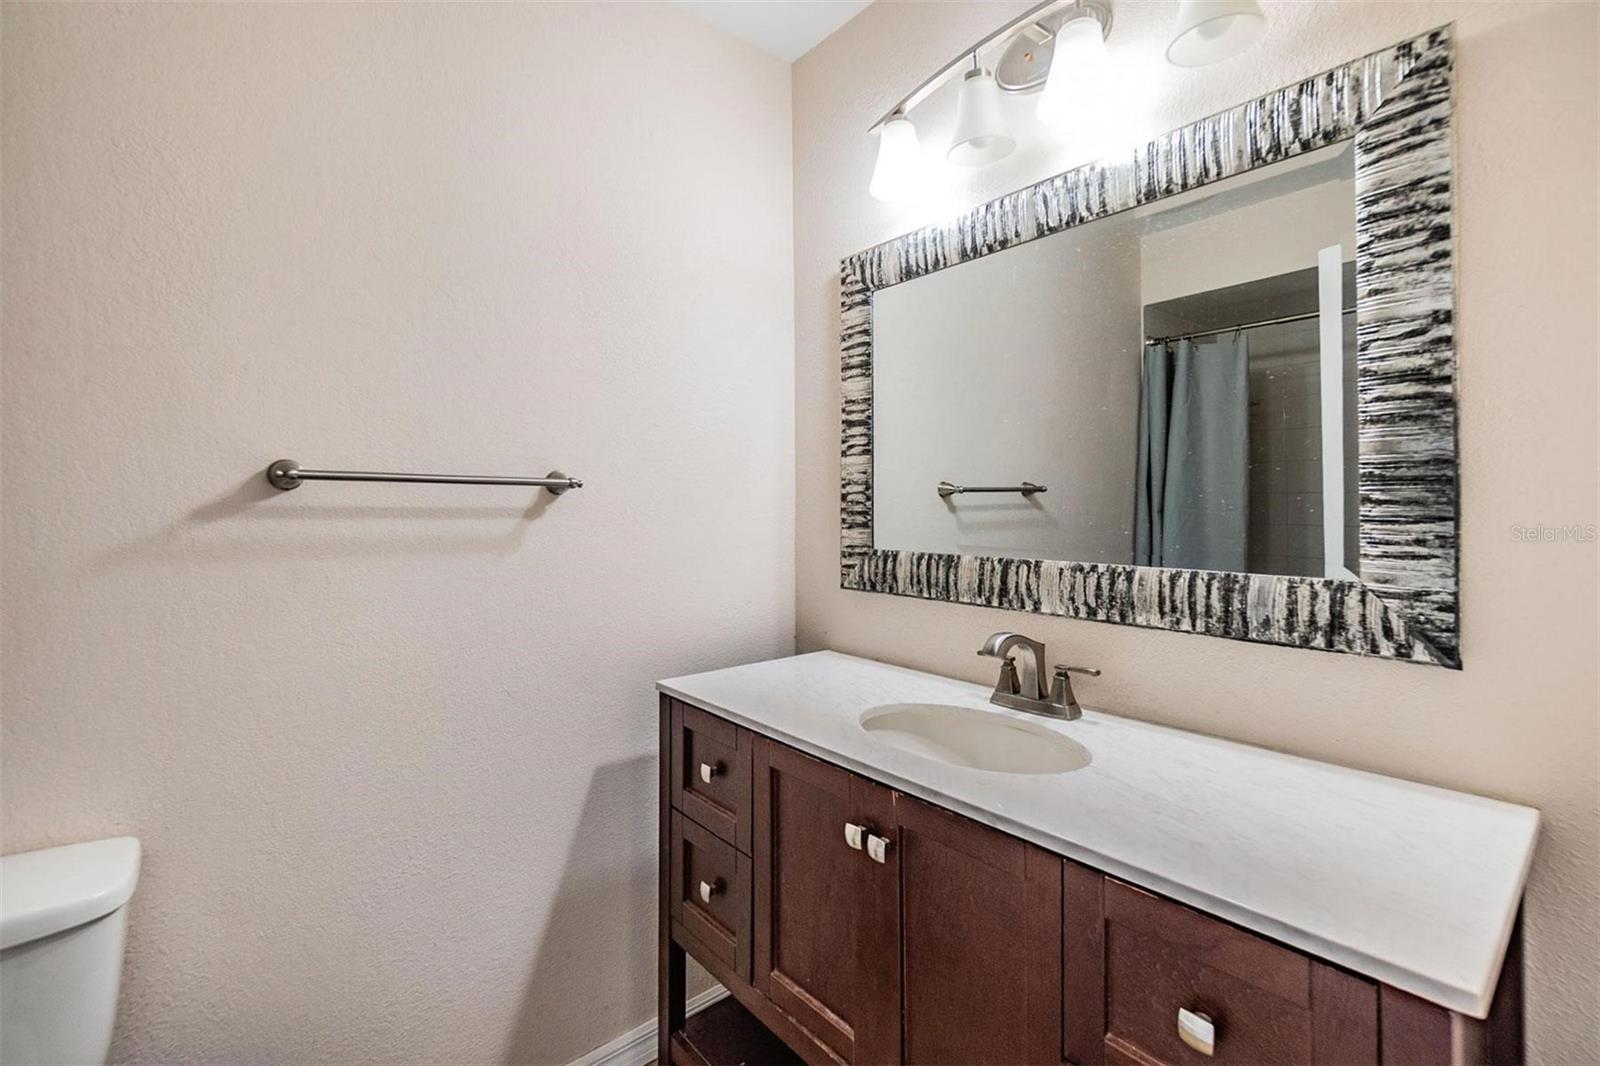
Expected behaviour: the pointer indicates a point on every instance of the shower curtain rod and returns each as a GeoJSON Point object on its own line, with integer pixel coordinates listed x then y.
{"type": "Point", "coordinates": [1244, 326]}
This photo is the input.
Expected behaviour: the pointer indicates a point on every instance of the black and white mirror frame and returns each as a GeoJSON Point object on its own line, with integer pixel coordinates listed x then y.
{"type": "Point", "coordinates": [1396, 106]}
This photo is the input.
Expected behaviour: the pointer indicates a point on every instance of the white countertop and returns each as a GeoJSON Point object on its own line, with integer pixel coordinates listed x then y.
{"type": "Point", "coordinates": [1411, 885]}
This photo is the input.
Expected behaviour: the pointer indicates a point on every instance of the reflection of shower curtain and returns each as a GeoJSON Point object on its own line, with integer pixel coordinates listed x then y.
{"type": "Point", "coordinates": [1193, 506]}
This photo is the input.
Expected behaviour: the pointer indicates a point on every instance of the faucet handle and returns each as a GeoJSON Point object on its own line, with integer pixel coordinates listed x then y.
{"type": "Point", "coordinates": [1007, 685]}
{"type": "Point", "coordinates": [1061, 693]}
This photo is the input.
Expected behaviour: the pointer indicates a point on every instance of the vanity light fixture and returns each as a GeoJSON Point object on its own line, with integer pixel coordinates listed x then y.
{"type": "Point", "coordinates": [1058, 46]}
{"type": "Point", "coordinates": [1078, 56]}
{"type": "Point", "coordinates": [1213, 30]}
{"type": "Point", "coordinates": [895, 176]}
{"type": "Point", "coordinates": [981, 136]}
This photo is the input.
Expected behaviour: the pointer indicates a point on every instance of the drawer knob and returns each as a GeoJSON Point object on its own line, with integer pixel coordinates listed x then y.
{"type": "Point", "coordinates": [854, 834]}
{"type": "Point", "coordinates": [711, 888]}
{"type": "Point", "coordinates": [878, 847]}
{"type": "Point", "coordinates": [1197, 1031]}
{"type": "Point", "coordinates": [709, 770]}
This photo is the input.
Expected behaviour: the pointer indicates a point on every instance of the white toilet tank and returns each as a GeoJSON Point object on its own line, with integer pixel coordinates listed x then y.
{"type": "Point", "coordinates": [63, 912]}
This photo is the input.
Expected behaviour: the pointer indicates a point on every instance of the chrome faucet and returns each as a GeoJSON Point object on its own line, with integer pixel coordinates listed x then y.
{"type": "Point", "coordinates": [1027, 692]}
{"type": "Point", "coordinates": [999, 647]}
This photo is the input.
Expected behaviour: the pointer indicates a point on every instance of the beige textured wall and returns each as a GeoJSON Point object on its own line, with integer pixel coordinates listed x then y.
{"type": "Point", "coordinates": [1520, 720]}
{"type": "Point", "coordinates": [391, 749]}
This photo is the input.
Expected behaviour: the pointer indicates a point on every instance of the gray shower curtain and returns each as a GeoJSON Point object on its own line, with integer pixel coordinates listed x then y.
{"type": "Point", "coordinates": [1193, 505]}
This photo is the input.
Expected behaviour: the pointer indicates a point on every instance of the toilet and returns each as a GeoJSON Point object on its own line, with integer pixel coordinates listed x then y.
{"type": "Point", "coordinates": [63, 913]}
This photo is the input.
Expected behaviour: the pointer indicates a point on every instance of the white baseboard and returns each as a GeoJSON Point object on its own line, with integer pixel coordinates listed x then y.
{"type": "Point", "coordinates": [637, 1046]}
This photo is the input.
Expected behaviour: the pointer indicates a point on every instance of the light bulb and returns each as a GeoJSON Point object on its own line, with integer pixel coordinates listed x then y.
{"type": "Point", "coordinates": [1078, 58]}
{"type": "Point", "coordinates": [1210, 30]}
{"type": "Point", "coordinates": [898, 170]}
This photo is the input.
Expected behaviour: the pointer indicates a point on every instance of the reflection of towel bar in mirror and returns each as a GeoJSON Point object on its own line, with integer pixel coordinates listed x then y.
{"type": "Point", "coordinates": [1027, 488]}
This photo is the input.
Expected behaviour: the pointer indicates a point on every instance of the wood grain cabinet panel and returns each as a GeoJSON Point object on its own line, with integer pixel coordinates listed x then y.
{"type": "Point", "coordinates": [1134, 960]}
{"type": "Point", "coordinates": [827, 916]}
{"type": "Point", "coordinates": [710, 901]}
{"type": "Point", "coordinates": [981, 941]}
{"type": "Point", "coordinates": [711, 772]}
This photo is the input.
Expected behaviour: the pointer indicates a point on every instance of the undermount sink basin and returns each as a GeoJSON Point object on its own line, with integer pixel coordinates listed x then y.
{"type": "Point", "coordinates": [980, 740]}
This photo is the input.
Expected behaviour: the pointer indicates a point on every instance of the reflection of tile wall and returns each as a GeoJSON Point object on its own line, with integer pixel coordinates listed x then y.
{"type": "Point", "coordinates": [1286, 465]}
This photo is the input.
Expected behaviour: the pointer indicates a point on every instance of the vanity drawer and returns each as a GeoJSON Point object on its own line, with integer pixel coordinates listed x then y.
{"type": "Point", "coordinates": [711, 773]}
{"type": "Point", "coordinates": [710, 901]}
{"type": "Point", "coordinates": [1142, 972]}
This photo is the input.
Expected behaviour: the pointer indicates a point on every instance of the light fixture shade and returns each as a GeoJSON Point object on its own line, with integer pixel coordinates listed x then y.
{"type": "Point", "coordinates": [1077, 59]}
{"type": "Point", "coordinates": [1211, 30]}
{"type": "Point", "coordinates": [898, 170]}
{"type": "Point", "coordinates": [981, 135]}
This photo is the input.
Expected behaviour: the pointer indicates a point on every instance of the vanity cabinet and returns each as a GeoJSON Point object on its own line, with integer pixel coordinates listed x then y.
{"type": "Point", "coordinates": [859, 924]}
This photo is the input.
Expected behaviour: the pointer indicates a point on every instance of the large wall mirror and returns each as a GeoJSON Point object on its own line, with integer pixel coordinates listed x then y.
{"type": "Point", "coordinates": [1209, 388]}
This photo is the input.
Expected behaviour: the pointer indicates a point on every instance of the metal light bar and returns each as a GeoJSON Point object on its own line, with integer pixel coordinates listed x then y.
{"type": "Point", "coordinates": [1034, 14]}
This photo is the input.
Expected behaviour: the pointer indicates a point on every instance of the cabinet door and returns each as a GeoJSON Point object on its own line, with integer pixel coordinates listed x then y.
{"type": "Point", "coordinates": [827, 915]}
{"type": "Point", "coordinates": [981, 936]}
{"type": "Point", "coordinates": [1150, 982]}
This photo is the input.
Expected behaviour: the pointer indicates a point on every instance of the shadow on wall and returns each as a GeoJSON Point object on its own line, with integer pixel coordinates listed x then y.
{"type": "Point", "coordinates": [599, 935]}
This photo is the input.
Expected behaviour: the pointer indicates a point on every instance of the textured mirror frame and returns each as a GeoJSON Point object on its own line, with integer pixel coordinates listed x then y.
{"type": "Point", "coordinates": [1396, 106]}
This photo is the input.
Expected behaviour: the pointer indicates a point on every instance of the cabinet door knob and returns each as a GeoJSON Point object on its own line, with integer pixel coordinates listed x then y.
{"type": "Point", "coordinates": [709, 889]}
{"type": "Point", "coordinates": [709, 770]}
{"type": "Point", "coordinates": [853, 834]}
{"type": "Point", "coordinates": [1197, 1031]}
{"type": "Point", "coordinates": [878, 847]}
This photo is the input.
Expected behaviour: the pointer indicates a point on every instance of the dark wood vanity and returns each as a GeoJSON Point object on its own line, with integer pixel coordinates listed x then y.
{"type": "Point", "coordinates": [852, 923]}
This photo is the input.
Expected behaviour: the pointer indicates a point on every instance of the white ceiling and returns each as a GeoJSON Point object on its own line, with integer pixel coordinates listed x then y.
{"type": "Point", "coordinates": [786, 28]}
